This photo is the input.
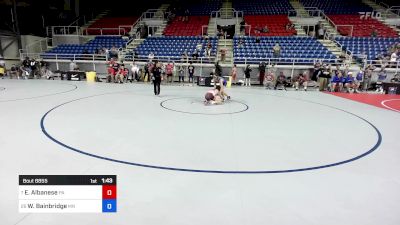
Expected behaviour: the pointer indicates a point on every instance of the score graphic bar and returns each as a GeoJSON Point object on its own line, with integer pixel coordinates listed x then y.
{"type": "Point", "coordinates": [67, 193]}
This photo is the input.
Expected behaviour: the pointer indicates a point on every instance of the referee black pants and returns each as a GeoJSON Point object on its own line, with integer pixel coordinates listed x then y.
{"type": "Point", "coordinates": [157, 82]}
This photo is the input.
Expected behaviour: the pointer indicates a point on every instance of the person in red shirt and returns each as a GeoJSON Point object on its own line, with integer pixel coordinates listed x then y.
{"type": "Point", "coordinates": [111, 73]}
{"type": "Point", "coordinates": [121, 74]}
{"type": "Point", "coordinates": [169, 69]}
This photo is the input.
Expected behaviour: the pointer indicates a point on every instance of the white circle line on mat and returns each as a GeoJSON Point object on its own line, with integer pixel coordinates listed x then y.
{"type": "Point", "coordinates": [388, 107]}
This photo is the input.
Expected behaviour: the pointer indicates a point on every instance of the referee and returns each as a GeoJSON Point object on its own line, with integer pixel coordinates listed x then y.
{"type": "Point", "coordinates": [157, 78]}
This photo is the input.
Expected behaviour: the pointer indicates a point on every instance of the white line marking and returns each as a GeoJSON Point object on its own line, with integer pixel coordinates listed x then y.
{"type": "Point", "coordinates": [384, 105]}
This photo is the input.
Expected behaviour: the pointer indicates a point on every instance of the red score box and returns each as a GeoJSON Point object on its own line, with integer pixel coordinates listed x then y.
{"type": "Point", "coordinates": [109, 191]}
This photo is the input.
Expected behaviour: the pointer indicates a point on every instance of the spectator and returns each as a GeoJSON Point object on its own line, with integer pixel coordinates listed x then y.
{"type": "Point", "coordinates": [276, 50]}
{"type": "Point", "coordinates": [121, 74]}
{"type": "Point", "coordinates": [374, 32]}
{"type": "Point", "coordinates": [73, 66]}
{"type": "Point", "coordinates": [151, 57]}
{"type": "Point", "coordinates": [14, 72]}
{"type": "Point", "coordinates": [321, 32]}
{"type": "Point", "coordinates": [114, 52]}
{"type": "Point", "coordinates": [218, 69]}
{"type": "Point", "coordinates": [358, 81]}
{"type": "Point", "coordinates": [395, 79]}
{"type": "Point", "coordinates": [367, 77]}
{"type": "Point", "coordinates": [348, 82]}
{"type": "Point", "coordinates": [281, 80]}
{"type": "Point", "coordinates": [258, 40]}
{"type": "Point", "coordinates": [186, 15]}
{"type": "Point", "coordinates": [337, 82]}
{"type": "Point", "coordinates": [110, 74]}
{"type": "Point", "coordinates": [362, 59]}
{"type": "Point", "coordinates": [301, 79]}
{"type": "Point", "coordinates": [265, 29]}
{"type": "Point", "coordinates": [382, 75]}
{"type": "Point", "coordinates": [242, 25]}
{"type": "Point", "coordinates": [191, 72]}
{"type": "Point", "coordinates": [342, 57]}
{"type": "Point", "coordinates": [34, 68]}
{"type": "Point", "coordinates": [181, 71]}
{"type": "Point", "coordinates": [247, 76]}
{"type": "Point", "coordinates": [289, 26]}
{"type": "Point", "coordinates": [269, 80]}
{"type": "Point", "coordinates": [169, 71]}
{"type": "Point", "coordinates": [223, 54]}
{"type": "Point", "coordinates": [324, 76]}
{"type": "Point", "coordinates": [135, 72]}
{"type": "Point", "coordinates": [261, 68]}
{"type": "Point", "coordinates": [199, 46]}
{"type": "Point", "coordinates": [241, 42]}
{"type": "Point", "coordinates": [195, 56]}
{"type": "Point", "coordinates": [393, 58]}
{"type": "Point", "coordinates": [234, 73]}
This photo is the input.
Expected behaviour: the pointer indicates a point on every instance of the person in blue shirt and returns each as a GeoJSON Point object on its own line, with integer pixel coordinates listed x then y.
{"type": "Point", "coordinates": [382, 75]}
{"type": "Point", "coordinates": [358, 81]}
{"type": "Point", "coordinates": [337, 82]}
{"type": "Point", "coordinates": [348, 82]}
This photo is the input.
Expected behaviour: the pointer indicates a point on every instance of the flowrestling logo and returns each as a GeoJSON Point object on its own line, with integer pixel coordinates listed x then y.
{"type": "Point", "coordinates": [373, 14]}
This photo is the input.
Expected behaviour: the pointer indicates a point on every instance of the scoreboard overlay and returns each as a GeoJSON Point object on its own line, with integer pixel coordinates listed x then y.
{"type": "Point", "coordinates": [67, 194]}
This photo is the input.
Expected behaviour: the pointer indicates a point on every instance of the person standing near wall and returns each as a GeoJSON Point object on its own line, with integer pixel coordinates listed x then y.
{"type": "Point", "coordinates": [247, 75]}
{"type": "Point", "coordinates": [324, 77]}
{"type": "Point", "coordinates": [234, 73]}
{"type": "Point", "coordinates": [191, 72]}
{"type": "Point", "coordinates": [261, 69]}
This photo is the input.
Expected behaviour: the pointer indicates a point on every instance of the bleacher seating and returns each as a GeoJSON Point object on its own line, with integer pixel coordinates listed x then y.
{"type": "Point", "coordinates": [305, 49]}
{"type": "Point", "coordinates": [111, 25]}
{"type": "Point", "coordinates": [91, 46]}
{"type": "Point", "coordinates": [260, 7]}
{"type": "Point", "coordinates": [276, 25]}
{"type": "Point", "coordinates": [372, 47]}
{"type": "Point", "coordinates": [338, 6]}
{"type": "Point", "coordinates": [190, 28]}
{"type": "Point", "coordinates": [361, 27]}
{"type": "Point", "coordinates": [174, 46]}
{"type": "Point", "coordinates": [200, 7]}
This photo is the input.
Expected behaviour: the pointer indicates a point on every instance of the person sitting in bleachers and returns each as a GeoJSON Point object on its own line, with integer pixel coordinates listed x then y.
{"type": "Point", "coordinates": [242, 26]}
{"type": "Point", "coordinates": [151, 57]}
{"type": "Point", "coordinates": [241, 42]}
{"type": "Point", "coordinates": [289, 26]}
{"type": "Point", "coordinates": [393, 58]}
{"type": "Point", "coordinates": [277, 50]}
{"type": "Point", "coordinates": [374, 32]}
{"type": "Point", "coordinates": [265, 29]}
